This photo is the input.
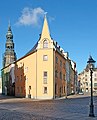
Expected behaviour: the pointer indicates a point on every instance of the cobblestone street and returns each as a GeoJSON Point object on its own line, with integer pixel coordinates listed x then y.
{"type": "Point", "coordinates": [73, 108]}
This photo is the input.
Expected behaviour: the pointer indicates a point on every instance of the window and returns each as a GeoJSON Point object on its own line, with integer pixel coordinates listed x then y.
{"type": "Point", "coordinates": [85, 75]}
{"type": "Point", "coordinates": [95, 74]}
{"type": "Point", "coordinates": [60, 89]}
{"type": "Point", "coordinates": [95, 84]}
{"type": "Point", "coordinates": [45, 57]}
{"type": "Point", "coordinates": [17, 78]}
{"type": "Point", "coordinates": [21, 64]}
{"type": "Point", "coordinates": [64, 89]}
{"type": "Point", "coordinates": [95, 79]}
{"type": "Point", "coordinates": [61, 75]}
{"type": "Point", "coordinates": [45, 77]}
{"type": "Point", "coordinates": [56, 73]}
{"type": "Point", "coordinates": [86, 84]}
{"type": "Point", "coordinates": [64, 76]}
{"type": "Point", "coordinates": [21, 89]}
{"type": "Point", "coordinates": [29, 87]}
{"type": "Point", "coordinates": [26, 69]}
{"type": "Point", "coordinates": [45, 80]}
{"type": "Point", "coordinates": [21, 78]}
{"type": "Point", "coordinates": [45, 44]}
{"type": "Point", "coordinates": [45, 90]}
{"type": "Point", "coordinates": [86, 89]}
{"type": "Point", "coordinates": [60, 63]}
{"type": "Point", "coordinates": [45, 74]}
{"type": "Point", "coordinates": [64, 66]}
{"type": "Point", "coordinates": [18, 90]}
{"type": "Point", "coordinates": [56, 59]}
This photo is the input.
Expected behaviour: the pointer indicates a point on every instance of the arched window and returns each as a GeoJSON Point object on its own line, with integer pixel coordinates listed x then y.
{"type": "Point", "coordinates": [45, 44]}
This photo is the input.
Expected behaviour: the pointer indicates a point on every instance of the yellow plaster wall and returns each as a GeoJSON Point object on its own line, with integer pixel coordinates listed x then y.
{"type": "Point", "coordinates": [36, 67]}
{"type": "Point", "coordinates": [29, 64]}
{"type": "Point", "coordinates": [41, 67]}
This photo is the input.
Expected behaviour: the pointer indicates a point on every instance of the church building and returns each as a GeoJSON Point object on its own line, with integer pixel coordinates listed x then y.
{"type": "Point", "coordinates": [8, 85]}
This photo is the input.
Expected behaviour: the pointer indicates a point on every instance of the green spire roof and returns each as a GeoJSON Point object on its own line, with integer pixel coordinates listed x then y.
{"type": "Point", "coordinates": [9, 34]}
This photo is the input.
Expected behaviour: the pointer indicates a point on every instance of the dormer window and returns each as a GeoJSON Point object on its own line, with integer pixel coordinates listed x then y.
{"type": "Point", "coordinates": [45, 44]}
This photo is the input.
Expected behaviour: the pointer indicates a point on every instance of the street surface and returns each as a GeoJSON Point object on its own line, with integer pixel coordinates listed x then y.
{"type": "Point", "coordinates": [75, 107]}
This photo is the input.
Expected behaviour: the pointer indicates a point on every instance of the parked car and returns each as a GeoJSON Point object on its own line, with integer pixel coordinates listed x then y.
{"type": "Point", "coordinates": [81, 93]}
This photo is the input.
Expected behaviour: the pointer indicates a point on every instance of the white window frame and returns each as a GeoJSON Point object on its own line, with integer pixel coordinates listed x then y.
{"type": "Point", "coordinates": [45, 58]}
{"type": "Point", "coordinates": [45, 44]}
{"type": "Point", "coordinates": [45, 77]}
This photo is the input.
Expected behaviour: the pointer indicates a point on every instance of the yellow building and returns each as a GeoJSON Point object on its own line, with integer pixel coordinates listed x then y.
{"type": "Point", "coordinates": [41, 73]}
{"type": "Point", "coordinates": [36, 78]}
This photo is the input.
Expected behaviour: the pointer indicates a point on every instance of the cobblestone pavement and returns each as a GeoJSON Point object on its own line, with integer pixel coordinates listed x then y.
{"type": "Point", "coordinates": [73, 108]}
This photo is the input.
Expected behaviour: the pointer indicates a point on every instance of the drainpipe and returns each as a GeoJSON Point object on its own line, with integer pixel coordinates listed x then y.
{"type": "Point", "coordinates": [53, 74]}
{"type": "Point", "coordinates": [36, 74]}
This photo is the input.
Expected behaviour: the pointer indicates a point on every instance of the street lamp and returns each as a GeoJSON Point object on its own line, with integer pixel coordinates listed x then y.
{"type": "Point", "coordinates": [91, 63]}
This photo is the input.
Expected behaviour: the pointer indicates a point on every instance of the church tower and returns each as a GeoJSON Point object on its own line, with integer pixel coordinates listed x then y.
{"type": "Point", "coordinates": [9, 55]}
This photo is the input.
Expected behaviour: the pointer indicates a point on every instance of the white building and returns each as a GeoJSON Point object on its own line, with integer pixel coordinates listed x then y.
{"type": "Point", "coordinates": [85, 82]}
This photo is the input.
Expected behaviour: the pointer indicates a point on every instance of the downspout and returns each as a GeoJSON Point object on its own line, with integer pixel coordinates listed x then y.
{"type": "Point", "coordinates": [53, 74]}
{"type": "Point", "coordinates": [66, 80]}
{"type": "Point", "coordinates": [36, 74]}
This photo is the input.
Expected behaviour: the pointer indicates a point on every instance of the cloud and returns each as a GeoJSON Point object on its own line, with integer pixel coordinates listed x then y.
{"type": "Point", "coordinates": [30, 16]}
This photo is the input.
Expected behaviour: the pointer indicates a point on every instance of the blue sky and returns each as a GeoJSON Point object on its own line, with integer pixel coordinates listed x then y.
{"type": "Point", "coordinates": [72, 23]}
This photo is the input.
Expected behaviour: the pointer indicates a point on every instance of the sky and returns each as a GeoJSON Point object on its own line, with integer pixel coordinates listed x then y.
{"type": "Point", "coordinates": [72, 23]}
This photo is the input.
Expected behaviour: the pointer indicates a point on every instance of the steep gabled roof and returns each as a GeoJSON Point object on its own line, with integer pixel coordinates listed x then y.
{"type": "Point", "coordinates": [32, 50]}
{"type": "Point", "coordinates": [45, 30]}
{"type": "Point", "coordinates": [45, 34]}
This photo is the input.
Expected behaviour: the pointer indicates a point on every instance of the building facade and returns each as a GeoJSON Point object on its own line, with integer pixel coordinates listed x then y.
{"type": "Point", "coordinates": [45, 71]}
{"type": "Point", "coordinates": [8, 84]}
{"type": "Point", "coordinates": [84, 79]}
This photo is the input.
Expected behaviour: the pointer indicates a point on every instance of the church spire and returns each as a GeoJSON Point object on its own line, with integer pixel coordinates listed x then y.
{"type": "Point", "coordinates": [9, 55]}
{"type": "Point", "coordinates": [45, 31]}
{"type": "Point", "coordinates": [9, 34]}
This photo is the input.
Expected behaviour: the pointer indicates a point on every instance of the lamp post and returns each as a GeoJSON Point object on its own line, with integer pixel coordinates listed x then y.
{"type": "Point", "coordinates": [91, 63]}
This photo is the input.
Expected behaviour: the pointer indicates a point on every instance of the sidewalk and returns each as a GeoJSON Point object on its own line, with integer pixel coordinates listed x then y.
{"type": "Point", "coordinates": [4, 97]}
{"type": "Point", "coordinates": [76, 96]}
